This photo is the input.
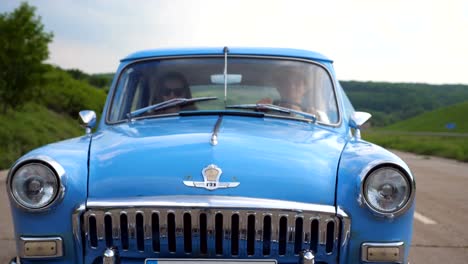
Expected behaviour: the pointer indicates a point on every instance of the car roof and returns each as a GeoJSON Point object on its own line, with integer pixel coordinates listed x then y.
{"type": "Point", "coordinates": [276, 52]}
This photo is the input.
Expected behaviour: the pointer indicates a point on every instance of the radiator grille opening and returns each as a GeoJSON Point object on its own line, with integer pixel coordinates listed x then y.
{"type": "Point", "coordinates": [219, 234]}
{"type": "Point", "coordinates": [266, 235]}
{"type": "Point", "coordinates": [155, 232]}
{"type": "Point", "coordinates": [330, 237]}
{"type": "Point", "coordinates": [171, 232]}
{"type": "Point", "coordinates": [140, 232]}
{"type": "Point", "coordinates": [235, 235]}
{"type": "Point", "coordinates": [164, 232]}
{"type": "Point", "coordinates": [298, 236]}
{"type": "Point", "coordinates": [124, 231]}
{"type": "Point", "coordinates": [251, 235]}
{"type": "Point", "coordinates": [314, 235]}
{"type": "Point", "coordinates": [92, 231]}
{"type": "Point", "coordinates": [203, 235]}
{"type": "Point", "coordinates": [108, 230]}
{"type": "Point", "coordinates": [187, 233]}
{"type": "Point", "coordinates": [283, 226]}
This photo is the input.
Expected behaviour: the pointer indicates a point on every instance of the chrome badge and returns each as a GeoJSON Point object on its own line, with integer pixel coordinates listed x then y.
{"type": "Point", "coordinates": [211, 175]}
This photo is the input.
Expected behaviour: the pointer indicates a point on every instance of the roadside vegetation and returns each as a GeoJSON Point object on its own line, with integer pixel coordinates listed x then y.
{"type": "Point", "coordinates": [39, 103]}
{"type": "Point", "coordinates": [442, 132]}
{"type": "Point", "coordinates": [452, 119]}
{"type": "Point", "coordinates": [442, 146]}
{"type": "Point", "coordinates": [392, 102]}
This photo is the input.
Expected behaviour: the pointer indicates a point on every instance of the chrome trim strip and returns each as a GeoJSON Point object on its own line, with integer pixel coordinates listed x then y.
{"type": "Point", "coordinates": [23, 240]}
{"type": "Point", "coordinates": [76, 222]}
{"type": "Point", "coordinates": [366, 245]}
{"type": "Point", "coordinates": [346, 227]}
{"type": "Point", "coordinates": [333, 80]}
{"type": "Point", "coordinates": [58, 170]}
{"type": "Point", "coordinates": [386, 163]}
{"type": "Point", "coordinates": [204, 201]}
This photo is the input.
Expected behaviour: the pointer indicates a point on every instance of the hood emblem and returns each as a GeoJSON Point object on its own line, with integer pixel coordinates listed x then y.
{"type": "Point", "coordinates": [211, 175]}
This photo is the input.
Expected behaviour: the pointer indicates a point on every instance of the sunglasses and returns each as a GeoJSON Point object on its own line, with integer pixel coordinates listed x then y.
{"type": "Point", "coordinates": [175, 92]}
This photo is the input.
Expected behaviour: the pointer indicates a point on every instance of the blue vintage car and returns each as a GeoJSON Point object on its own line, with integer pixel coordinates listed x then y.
{"type": "Point", "coordinates": [209, 155]}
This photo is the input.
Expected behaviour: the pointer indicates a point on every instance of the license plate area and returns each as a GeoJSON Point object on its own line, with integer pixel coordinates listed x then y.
{"type": "Point", "coordinates": [209, 261]}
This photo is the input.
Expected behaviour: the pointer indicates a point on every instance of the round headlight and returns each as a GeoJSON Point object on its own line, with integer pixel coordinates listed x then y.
{"type": "Point", "coordinates": [34, 186]}
{"type": "Point", "coordinates": [387, 190]}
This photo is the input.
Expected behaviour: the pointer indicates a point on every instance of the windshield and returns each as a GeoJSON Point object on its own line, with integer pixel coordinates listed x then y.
{"type": "Point", "coordinates": [297, 85]}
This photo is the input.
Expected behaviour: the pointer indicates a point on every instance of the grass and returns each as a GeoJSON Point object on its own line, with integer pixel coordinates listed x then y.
{"type": "Point", "coordinates": [436, 121]}
{"type": "Point", "coordinates": [442, 146]}
{"type": "Point", "coordinates": [410, 135]}
{"type": "Point", "coordinates": [30, 127]}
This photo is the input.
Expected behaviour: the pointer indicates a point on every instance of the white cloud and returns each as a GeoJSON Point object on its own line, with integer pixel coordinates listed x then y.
{"type": "Point", "coordinates": [385, 40]}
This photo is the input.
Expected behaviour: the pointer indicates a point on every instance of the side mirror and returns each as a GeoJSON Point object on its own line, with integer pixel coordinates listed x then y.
{"type": "Point", "coordinates": [357, 120]}
{"type": "Point", "coordinates": [88, 120]}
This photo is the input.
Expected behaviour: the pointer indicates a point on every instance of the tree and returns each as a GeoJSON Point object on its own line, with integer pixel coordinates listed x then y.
{"type": "Point", "coordinates": [23, 48]}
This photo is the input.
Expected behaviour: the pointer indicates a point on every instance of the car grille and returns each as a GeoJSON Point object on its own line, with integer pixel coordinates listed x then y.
{"type": "Point", "coordinates": [221, 227]}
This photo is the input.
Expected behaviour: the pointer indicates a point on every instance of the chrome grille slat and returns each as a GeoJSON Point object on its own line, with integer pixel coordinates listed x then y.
{"type": "Point", "coordinates": [227, 216]}
{"type": "Point", "coordinates": [274, 234]}
{"type": "Point", "coordinates": [299, 233]}
{"type": "Point", "coordinates": [163, 241]}
{"type": "Point", "coordinates": [147, 226]}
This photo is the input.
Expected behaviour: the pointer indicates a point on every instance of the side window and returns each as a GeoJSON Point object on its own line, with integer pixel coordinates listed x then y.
{"type": "Point", "coordinates": [348, 107]}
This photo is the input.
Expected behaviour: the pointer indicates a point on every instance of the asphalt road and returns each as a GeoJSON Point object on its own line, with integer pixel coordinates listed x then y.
{"type": "Point", "coordinates": [440, 225]}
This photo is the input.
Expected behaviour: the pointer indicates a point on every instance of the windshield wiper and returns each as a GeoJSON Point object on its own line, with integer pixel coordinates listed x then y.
{"type": "Point", "coordinates": [260, 107]}
{"type": "Point", "coordinates": [168, 104]}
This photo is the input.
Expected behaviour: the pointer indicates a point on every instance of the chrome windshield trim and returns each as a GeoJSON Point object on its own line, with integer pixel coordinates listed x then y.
{"type": "Point", "coordinates": [333, 80]}
{"type": "Point", "coordinates": [58, 170]}
{"type": "Point", "coordinates": [204, 201]}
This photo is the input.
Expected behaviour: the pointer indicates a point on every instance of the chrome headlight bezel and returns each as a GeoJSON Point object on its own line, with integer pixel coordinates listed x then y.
{"type": "Point", "coordinates": [51, 165]}
{"type": "Point", "coordinates": [368, 171]}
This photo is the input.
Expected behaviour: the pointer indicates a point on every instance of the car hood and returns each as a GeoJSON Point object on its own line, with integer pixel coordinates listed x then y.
{"type": "Point", "coordinates": [269, 157]}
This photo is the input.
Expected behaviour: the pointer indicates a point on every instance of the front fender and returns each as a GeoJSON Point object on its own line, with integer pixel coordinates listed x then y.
{"type": "Point", "coordinates": [358, 155]}
{"type": "Point", "coordinates": [72, 155]}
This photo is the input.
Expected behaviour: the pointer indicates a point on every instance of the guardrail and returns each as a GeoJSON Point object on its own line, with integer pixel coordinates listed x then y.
{"type": "Point", "coordinates": [435, 134]}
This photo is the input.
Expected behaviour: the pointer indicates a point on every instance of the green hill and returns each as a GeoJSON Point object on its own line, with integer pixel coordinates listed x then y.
{"type": "Point", "coordinates": [393, 102]}
{"type": "Point", "coordinates": [441, 141]}
{"type": "Point", "coordinates": [437, 121]}
{"type": "Point", "coordinates": [52, 115]}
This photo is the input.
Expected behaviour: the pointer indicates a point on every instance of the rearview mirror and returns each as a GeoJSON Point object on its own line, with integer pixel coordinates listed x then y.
{"type": "Point", "coordinates": [230, 78]}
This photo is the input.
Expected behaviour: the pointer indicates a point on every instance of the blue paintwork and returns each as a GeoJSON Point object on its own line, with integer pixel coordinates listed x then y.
{"type": "Point", "coordinates": [73, 156]}
{"type": "Point", "coordinates": [288, 154]}
{"type": "Point", "coordinates": [296, 161]}
{"type": "Point", "coordinates": [366, 227]}
{"type": "Point", "coordinates": [295, 53]}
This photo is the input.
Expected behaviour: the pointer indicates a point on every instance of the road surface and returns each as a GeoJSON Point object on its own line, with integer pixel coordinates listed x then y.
{"type": "Point", "coordinates": [440, 225]}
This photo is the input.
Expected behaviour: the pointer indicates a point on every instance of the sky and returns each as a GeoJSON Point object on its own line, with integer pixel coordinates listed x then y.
{"type": "Point", "coordinates": [369, 40]}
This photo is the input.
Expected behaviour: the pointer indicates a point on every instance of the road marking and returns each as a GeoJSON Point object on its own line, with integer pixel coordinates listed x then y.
{"type": "Point", "coordinates": [423, 219]}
